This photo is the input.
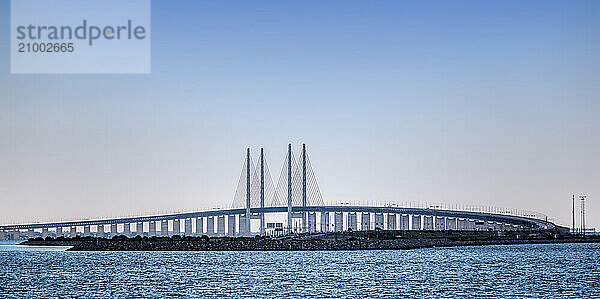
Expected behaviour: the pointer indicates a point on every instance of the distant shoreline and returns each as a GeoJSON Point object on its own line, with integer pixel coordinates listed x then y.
{"type": "Point", "coordinates": [369, 240]}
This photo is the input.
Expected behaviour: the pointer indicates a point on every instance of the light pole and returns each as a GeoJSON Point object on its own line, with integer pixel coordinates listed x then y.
{"type": "Point", "coordinates": [582, 199]}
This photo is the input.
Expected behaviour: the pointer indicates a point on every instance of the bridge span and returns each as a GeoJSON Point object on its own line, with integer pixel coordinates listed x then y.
{"type": "Point", "coordinates": [298, 197]}
{"type": "Point", "coordinates": [231, 222]}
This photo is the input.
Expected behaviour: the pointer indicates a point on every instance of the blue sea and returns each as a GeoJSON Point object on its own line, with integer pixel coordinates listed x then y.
{"type": "Point", "coordinates": [535, 271]}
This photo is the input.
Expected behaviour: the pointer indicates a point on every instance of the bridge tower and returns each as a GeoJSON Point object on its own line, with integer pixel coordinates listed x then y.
{"type": "Point", "coordinates": [262, 192]}
{"type": "Point", "coordinates": [247, 219]}
{"type": "Point", "coordinates": [289, 189]}
{"type": "Point", "coordinates": [304, 214]}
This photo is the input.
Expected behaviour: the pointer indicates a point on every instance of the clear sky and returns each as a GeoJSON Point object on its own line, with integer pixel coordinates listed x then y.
{"type": "Point", "coordinates": [463, 102]}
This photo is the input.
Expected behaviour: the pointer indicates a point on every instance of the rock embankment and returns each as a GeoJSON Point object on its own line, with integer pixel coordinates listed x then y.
{"type": "Point", "coordinates": [373, 240]}
{"type": "Point", "coordinates": [284, 245]}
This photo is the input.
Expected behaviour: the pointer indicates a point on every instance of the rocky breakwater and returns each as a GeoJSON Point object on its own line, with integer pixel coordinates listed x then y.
{"type": "Point", "coordinates": [364, 240]}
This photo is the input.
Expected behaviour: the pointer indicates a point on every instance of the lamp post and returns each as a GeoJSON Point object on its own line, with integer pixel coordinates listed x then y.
{"type": "Point", "coordinates": [582, 199]}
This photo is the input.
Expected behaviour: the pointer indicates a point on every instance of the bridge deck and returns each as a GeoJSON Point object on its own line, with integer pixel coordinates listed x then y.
{"type": "Point", "coordinates": [510, 219]}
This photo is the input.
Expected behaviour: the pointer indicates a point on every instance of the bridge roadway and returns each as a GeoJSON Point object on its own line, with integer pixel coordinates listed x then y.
{"type": "Point", "coordinates": [518, 221]}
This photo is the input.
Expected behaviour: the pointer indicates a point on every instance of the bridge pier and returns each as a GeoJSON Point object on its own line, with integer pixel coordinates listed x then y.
{"type": "Point", "coordinates": [416, 222]}
{"type": "Point", "coordinates": [440, 223]}
{"type": "Point", "coordinates": [427, 222]}
{"type": "Point", "coordinates": [464, 225]}
{"type": "Point", "coordinates": [210, 225]}
{"type": "Point", "coordinates": [2, 235]}
{"type": "Point", "coordinates": [338, 221]}
{"type": "Point", "coordinates": [73, 232]}
{"type": "Point", "coordinates": [379, 221]}
{"type": "Point", "coordinates": [404, 222]}
{"type": "Point", "coordinates": [391, 221]}
{"type": "Point", "coordinates": [16, 234]}
{"type": "Point", "coordinates": [152, 228]}
{"type": "Point", "coordinates": [86, 231]}
{"type": "Point", "coordinates": [176, 227]}
{"type": "Point", "coordinates": [312, 222]}
{"type": "Point", "coordinates": [59, 232]}
{"type": "Point", "coordinates": [30, 233]}
{"type": "Point", "coordinates": [231, 225]}
{"type": "Point", "coordinates": [470, 224]}
{"type": "Point", "coordinates": [352, 221]}
{"type": "Point", "coordinates": [242, 225]}
{"type": "Point", "coordinates": [100, 231]}
{"type": "Point", "coordinates": [127, 230]}
{"type": "Point", "coordinates": [44, 233]}
{"type": "Point", "coordinates": [188, 226]}
{"type": "Point", "coordinates": [199, 226]}
{"type": "Point", "coordinates": [451, 223]}
{"type": "Point", "coordinates": [139, 229]}
{"type": "Point", "coordinates": [221, 225]}
{"type": "Point", "coordinates": [113, 230]}
{"type": "Point", "coordinates": [365, 221]}
{"type": "Point", "coordinates": [164, 228]}
{"type": "Point", "coordinates": [324, 221]}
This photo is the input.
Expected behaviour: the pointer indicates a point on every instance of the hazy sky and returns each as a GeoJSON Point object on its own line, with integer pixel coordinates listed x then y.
{"type": "Point", "coordinates": [449, 102]}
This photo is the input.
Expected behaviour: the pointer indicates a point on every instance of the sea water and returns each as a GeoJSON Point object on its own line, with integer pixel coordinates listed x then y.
{"type": "Point", "coordinates": [551, 270]}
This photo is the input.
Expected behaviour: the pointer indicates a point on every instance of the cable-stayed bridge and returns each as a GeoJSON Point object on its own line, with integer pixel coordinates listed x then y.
{"type": "Point", "coordinates": [295, 195]}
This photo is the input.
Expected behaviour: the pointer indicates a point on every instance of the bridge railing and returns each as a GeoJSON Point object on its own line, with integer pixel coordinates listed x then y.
{"type": "Point", "coordinates": [399, 204]}
{"type": "Point", "coordinates": [451, 207]}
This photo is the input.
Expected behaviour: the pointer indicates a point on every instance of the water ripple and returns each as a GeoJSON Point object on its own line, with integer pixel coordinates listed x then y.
{"type": "Point", "coordinates": [554, 270]}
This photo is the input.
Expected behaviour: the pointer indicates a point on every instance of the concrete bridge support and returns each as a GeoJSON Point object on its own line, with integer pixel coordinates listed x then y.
{"type": "Point", "coordinates": [30, 233]}
{"type": "Point", "coordinates": [164, 228]}
{"type": "Point", "coordinates": [404, 222]}
{"type": "Point", "coordinates": [152, 229]}
{"type": "Point", "coordinates": [312, 222]}
{"type": "Point", "coordinates": [379, 221]}
{"type": "Point", "coordinates": [470, 224]}
{"type": "Point", "coordinates": [221, 225]}
{"type": "Point", "coordinates": [187, 226]}
{"type": "Point", "coordinates": [127, 229]}
{"type": "Point", "coordinates": [480, 225]}
{"type": "Point", "coordinates": [451, 223]}
{"type": "Point", "coordinates": [490, 226]}
{"type": "Point", "coordinates": [16, 234]}
{"type": "Point", "coordinates": [2, 235]}
{"type": "Point", "coordinates": [365, 221]}
{"type": "Point", "coordinates": [210, 225]}
{"type": "Point", "coordinates": [73, 232]}
{"type": "Point", "coordinates": [100, 231]}
{"type": "Point", "coordinates": [352, 222]}
{"type": "Point", "coordinates": [139, 229]}
{"type": "Point", "coordinates": [242, 225]}
{"type": "Point", "coordinates": [86, 231]}
{"type": "Point", "coordinates": [498, 227]}
{"type": "Point", "coordinates": [231, 225]}
{"type": "Point", "coordinates": [44, 232]}
{"type": "Point", "coordinates": [199, 226]}
{"type": "Point", "coordinates": [325, 221]}
{"type": "Point", "coordinates": [59, 232]}
{"type": "Point", "coordinates": [427, 222]}
{"type": "Point", "coordinates": [113, 230]}
{"type": "Point", "coordinates": [391, 221]}
{"type": "Point", "coordinates": [416, 222]}
{"type": "Point", "coordinates": [461, 224]}
{"type": "Point", "coordinates": [440, 223]}
{"type": "Point", "coordinates": [176, 227]}
{"type": "Point", "coordinates": [338, 221]}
